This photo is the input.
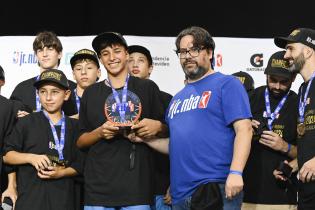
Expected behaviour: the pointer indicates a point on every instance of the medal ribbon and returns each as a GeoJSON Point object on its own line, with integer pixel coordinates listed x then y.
{"type": "Point", "coordinates": [59, 144]}
{"type": "Point", "coordinates": [77, 100]}
{"type": "Point", "coordinates": [272, 116]}
{"type": "Point", "coordinates": [121, 105]}
{"type": "Point", "coordinates": [38, 105]}
{"type": "Point", "coordinates": [302, 104]}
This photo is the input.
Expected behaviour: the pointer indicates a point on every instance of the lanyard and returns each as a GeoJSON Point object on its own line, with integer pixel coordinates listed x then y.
{"type": "Point", "coordinates": [272, 116]}
{"type": "Point", "coordinates": [121, 105]}
{"type": "Point", "coordinates": [77, 100]}
{"type": "Point", "coordinates": [302, 104]}
{"type": "Point", "coordinates": [38, 105]}
{"type": "Point", "coordinates": [59, 144]}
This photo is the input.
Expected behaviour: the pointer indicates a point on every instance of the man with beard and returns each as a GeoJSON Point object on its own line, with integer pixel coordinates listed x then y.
{"type": "Point", "coordinates": [210, 130]}
{"type": "Point", "coordinates": [274, 113]}
{"type": "Point", "coordinates": [300, 45]}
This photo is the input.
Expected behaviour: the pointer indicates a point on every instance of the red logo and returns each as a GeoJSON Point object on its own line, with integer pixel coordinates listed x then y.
{"type": "Point", "coordinates": [219, 60]}
{"type": "Point", "coordinates": [204, 100]}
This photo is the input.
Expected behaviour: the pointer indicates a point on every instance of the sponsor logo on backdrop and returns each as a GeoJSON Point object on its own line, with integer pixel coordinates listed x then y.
{"type": "Point", "coordinates": [257, 62]}
{"type": "Point", "coordinates": [67, 57]}
{"type": "Point", "coordinates": [161, 61]}
{"type": "Point", "coordinates": [219, 60]}
{"type": "Point", "coordinates": [20, 58]}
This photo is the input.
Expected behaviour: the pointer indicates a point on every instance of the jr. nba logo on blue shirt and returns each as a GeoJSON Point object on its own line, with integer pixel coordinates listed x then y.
{"type": "Point", "coordinates": [187, 104]}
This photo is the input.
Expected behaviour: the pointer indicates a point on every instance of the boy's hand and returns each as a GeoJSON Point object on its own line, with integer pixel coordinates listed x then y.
{"type": "Point", "coordinates": [108, 130]}
{"type": "Point", "coordinates": [39, 161]}
{"type": "Point", "coordinates": [52, 172]}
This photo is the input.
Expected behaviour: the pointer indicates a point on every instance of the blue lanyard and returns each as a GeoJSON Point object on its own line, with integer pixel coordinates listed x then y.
{"type": "Point", "coordinates": [38, 105]}
{"type": "Point", "coordinates": [121, 104]}
{"type": "Point", "coordinates": [77, 100]}
{"type": "Point", "coordinates": [59, 144]}
{"type": "Point", "coordinates": [303, 104]}
{"type": "Point", "coordinates": [272, 116]}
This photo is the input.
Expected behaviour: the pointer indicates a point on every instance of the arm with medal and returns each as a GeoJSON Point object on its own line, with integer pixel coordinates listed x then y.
{"type": "Point", "coordinates": [270, 138]}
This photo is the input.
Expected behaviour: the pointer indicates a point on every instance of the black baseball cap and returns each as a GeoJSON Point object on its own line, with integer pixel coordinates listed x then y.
{"type": "Point", "coordinates": [106, 39]}
{"type": "Point", "coordinates": [84, 54]}
{"type": "Point", "coordinates": [52, 75]}
{"type": "Point", "coordinates": [278, 66]}
{"type": "Point", "coordinates": [141, 49]}
{"type": "Point", "coordinates": [246, 79]}
{"type": "Point", "coordinates": [304, 36]}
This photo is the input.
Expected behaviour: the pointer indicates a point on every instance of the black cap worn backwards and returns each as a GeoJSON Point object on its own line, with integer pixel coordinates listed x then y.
{"type": "Point", "coordinates": [141, 49]}
{"type": "Point", "coordinates": [84, 54]}
{"type": "Point", "coordinates": [304, 36]}
{"type": "Point", "coordinates": [52, 75]}
{"type": "Point", "coordinates": [246, 79]}
{"type": "Point", "coordinates": [278, 66]}
{"type": "Point", "coordinates": [106, 39]}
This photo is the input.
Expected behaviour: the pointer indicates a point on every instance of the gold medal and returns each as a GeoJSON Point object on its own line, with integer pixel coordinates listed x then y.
{"type": "Point", "coordinates": [301, 129]}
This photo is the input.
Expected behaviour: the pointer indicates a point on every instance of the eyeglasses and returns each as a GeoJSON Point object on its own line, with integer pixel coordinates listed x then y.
{"type": "Point", "coordinates": [193, 52]}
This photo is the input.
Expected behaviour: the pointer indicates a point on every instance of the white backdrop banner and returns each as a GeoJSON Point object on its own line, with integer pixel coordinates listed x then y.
{"type": "Point", "coordinates": [231, 55]}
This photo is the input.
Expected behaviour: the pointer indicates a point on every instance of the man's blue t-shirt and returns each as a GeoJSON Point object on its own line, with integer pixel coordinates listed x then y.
{"type": "Point", "coordinates": [200, 119]}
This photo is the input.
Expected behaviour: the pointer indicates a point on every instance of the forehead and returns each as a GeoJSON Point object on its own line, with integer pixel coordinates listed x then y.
{"type": "Point", "coordinates": [187, 41]}
{"type": "Point", "coordinates": [137, 55]}
{"type": "Point", "coordinates": [112, 47]}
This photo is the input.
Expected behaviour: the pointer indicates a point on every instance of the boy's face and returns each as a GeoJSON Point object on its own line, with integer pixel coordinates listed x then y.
{"type": "Point", "coordinates": [48, 57]}
{"type": "Point", "coordinates": [51, 97]}
{"type": "Point", "coordinates": [138, 65]}
{"type": "Point", "coordinates": [114, 58]}
{"type": "Point", "coordinates": [85, 72]}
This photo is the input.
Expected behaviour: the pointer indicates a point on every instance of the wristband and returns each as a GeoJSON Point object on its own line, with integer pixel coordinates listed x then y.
{"type": "Point", "coordinates": [236, 172]}
{"type": "Point", "coordinates": [289, 148]}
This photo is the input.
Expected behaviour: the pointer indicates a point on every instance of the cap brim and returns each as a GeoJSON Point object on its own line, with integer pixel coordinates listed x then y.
{"type": "Point", "coordinates": [39, 83]}
{"type": "Point", "coordinates": [84, 56]}
{"type": "Point", "coordinates": [278, 72]}
{"type": "Point", "coordinates": [282, 41]}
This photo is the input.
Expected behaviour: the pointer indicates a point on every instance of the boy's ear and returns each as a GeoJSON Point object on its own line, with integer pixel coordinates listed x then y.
{"type": "Point", "coordinates": [67, 95]}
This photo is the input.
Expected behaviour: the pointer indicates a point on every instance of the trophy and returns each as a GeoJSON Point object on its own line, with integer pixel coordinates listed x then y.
{"type": "Point", "coordinates": [123, 114]}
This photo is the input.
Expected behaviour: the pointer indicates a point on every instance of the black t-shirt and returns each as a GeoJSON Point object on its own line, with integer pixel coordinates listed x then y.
{"type": "Point", "coordinates": [260, 186]}
{"type": "Point", "coordinates": [162, 162]}
{"type": "Point", "coordinates": [109, 181]}
{"type": "Point", "coordinates": [26, 93]}
{"type": "Point", "coordinates": [306, 147]}
{"type": "Point", "coordinates": [32, 134]}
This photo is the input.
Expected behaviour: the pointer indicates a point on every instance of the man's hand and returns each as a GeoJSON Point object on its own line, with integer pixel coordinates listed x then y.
{"type": "Point", "coordinates": [233, 186]}
{"type": "Point", "coordinates": [108, 130]}
{"type": "Point", "coordinates": [307, 172]}
{"type": "Point", "coordinates": [273, 140]}
{"type": "Point", "coordinates": [147, 128]}
{"type": "Point", "coordinates": [167, 197]}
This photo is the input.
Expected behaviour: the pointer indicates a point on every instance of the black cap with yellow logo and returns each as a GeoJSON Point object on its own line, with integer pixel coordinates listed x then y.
{"type": "Point", "coordinates": [278, 66]}
{"type": "Point", "coordinates": [246, 79]}
{"type": "Point", "coordinates": [52, 75]}
{"type": "Point", "coordinates": [304, 36]}
{"type": "Point", "coordinates": [84, 54]}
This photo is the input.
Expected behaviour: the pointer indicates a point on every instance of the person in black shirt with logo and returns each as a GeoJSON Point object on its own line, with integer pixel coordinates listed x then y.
{"type": "Point", "coordinates": [48, 50]}
{"type": "Point", "coordinates": [300, 51]}
{"type": "Point", "coordinates": [43, 147]}
{"type": "Point", "coordinates": [274, 118]}
{"type": "Point", "coordinates": [118, 173]}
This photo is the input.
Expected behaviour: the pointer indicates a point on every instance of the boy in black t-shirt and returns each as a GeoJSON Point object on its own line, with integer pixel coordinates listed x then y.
{"type": "Point", "coordinates": [86, 71]}
{"type": "Point", "coordinates": [48, 50]}
{"type": "Point", "coordinates": [140, 64]}
{"type": "Point", "coordinates": [42, 146]}
{"type": "Point", "coordinates": [118, 173]}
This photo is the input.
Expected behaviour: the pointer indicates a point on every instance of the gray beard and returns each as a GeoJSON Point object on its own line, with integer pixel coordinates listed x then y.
{"type": "Point", "coordinates": [196, 74]}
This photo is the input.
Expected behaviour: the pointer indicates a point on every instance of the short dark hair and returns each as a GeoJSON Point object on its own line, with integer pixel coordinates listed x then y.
{"type": "Point", "coordinates": [201, 36]}
{"type": "Point", "coordinates": [2, 77]}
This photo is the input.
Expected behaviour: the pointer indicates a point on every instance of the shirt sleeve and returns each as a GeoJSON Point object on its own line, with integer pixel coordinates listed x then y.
{"type": "Point", "coordinates": [235, 101]}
